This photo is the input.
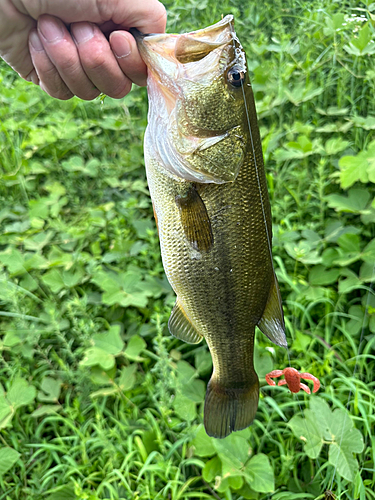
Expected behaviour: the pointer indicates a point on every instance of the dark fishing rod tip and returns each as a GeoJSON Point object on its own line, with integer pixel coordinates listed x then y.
{"type": "Point", "coordinates": [138, 35]}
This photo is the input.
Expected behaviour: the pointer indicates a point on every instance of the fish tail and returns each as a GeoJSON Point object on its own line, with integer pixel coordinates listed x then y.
{"type": "Point", "coordinates": [230, 409]}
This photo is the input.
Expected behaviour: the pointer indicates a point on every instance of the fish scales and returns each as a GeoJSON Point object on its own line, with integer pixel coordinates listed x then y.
{"type": "Point", "coordinates": [213, 212]}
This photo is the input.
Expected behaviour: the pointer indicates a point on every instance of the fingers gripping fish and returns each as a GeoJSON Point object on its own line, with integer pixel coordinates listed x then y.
{"type": "Point", "coordinates": [207, 182]}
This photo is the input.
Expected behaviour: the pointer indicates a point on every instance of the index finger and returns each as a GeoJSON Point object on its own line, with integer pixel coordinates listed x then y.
{"type": "Point", "coordinates": [148, 16]}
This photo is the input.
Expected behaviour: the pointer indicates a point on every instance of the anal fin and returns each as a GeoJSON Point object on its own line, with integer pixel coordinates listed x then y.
{"type": "Point", "coordinates": [272, 320]}
{"type": "Point", "coordinates": [180, 326]}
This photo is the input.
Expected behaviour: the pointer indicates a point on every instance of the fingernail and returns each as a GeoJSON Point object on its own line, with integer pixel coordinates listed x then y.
{"type": "Point", "coordinates": [120, 45]}
{"type": "Point", "coordinates": [82, 32]}
{"type": "Point", "coordinates": [50, 30]}
{"type": "Point", "coordinates": [35, 41]}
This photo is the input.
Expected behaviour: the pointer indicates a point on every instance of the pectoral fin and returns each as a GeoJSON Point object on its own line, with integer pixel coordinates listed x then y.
{"type": "Point", "coordinates": [180, 327]}
{"type": "Point", "coordinates": [272, 321]}
{"type": "Point", "coordinates": [195, 220]}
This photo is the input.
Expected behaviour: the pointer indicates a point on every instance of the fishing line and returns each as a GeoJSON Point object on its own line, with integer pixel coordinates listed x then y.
{"type": "Point", "coordinates": [234, 37]}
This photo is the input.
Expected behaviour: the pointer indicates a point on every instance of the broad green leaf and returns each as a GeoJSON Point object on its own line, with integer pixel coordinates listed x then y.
{"type": "Point", "coordinates": [46, 410]}
{"type": "Point", "coordinates": [319, 275]}
{"type": "Point", "coordinates": [353, 169]}
{"type": "Point", "coordinates": [358, 320]}
{"type": "Point", "coordinates": [203, 362]}
{"type": "Point", "coordinates": [21, 393]}
{"type": "Point", "coordinates": [54, 280]}
{"type": "Point", "coordinates": [50, 390]}
{"type": "Point", "coordinates": [263, 362]}
{"type": "Point", "coordinates": [235, 482]}
{"type": "Point", "coordinates": [349, 243]}
{"type": "Point", "coordinates": [356, 201]}
{"type": "Point", "coordinates": [8, 457]}
{"type": "Point", "coordinates": [195, 390]}
{"type": "Point", "coordinates": [350, 250]}
{"type": "Point", "coordinates": [221, 484]}
{"type": "Point", "coordinates": [335, 145]}
{"type": "Point", "coordinates": [134, 348]}
{"type": "Point", "coordinates": [320, 426]}
{"type": "Point", "coordinates": [110, 341]}
{"type": "Point", "coordinates": [363, 38]}
{"type": "Point", "coordinates": [233, 451]}
{"type": "Point", "coordinates": [344, 433]}
{"type": "Point", "coordinates": [368, 253]}
{"type": "Point", "coordinates": [307, 431]}
{"type": "Point", "coordinates": [14, 261]}
{"type": "Point", "coordinates": [143, 227]}
{"type": "Point", "coordinates": [203, 444]}
{"type": "Point", "coordinates": [106, 391]}
{"type": "Point", "coordinates": [342, 458]}
{"type": "Point", "coordinates": [352, 281]}
{"type": "Point", "coordinates": [6, 412]}
{"type": "Point", "coordinates": [126, 289]}
{"type": "Point", "coordinates": [127, 378]}
{"type": "Point", "coordinates": [367, 123]}
{"type": "Point", "coordinates": [367, 272]}
{"type": "Point", "coordinates": [99, 376]}
{"type": "Point", "coordinates": [261, 474]}
{"type": "Point", "coordinates": [95, 356]}
{"type": "Point", "coordinates": [248, 493]}
{"type": "Point", "coordinates": [185, 372]}
{"type": "Point", "coordinates": [211, 469]}
{"type": "Point", "coordinates": [184, 407]}
{"type": "Point", "coordinates": [302, 93]}
{"type": "Point", "coordinates": [301, 342]}
{"type": "Point", "coordinates": [322, 414]}
{"type": "Point", "coordinates": [303, 252]}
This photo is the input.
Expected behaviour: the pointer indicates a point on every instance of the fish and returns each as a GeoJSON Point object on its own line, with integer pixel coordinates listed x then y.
{"type": "Point", "coordinates": [207, 182]}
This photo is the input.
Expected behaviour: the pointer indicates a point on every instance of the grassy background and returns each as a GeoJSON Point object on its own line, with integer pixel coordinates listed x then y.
{"type": "Point", "coordinates": [97, 400]}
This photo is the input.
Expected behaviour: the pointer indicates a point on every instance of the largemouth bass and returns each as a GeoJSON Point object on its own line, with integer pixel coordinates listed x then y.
{"type": "Point", "coordinates": [207, 182]}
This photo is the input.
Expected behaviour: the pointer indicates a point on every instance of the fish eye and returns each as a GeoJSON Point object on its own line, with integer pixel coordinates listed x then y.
{"type": "Point", "coordinates": [236, 77]}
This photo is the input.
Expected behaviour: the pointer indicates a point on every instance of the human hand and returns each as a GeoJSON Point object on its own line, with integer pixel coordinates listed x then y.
{"type": "Point", "coordinates": [94, 55]}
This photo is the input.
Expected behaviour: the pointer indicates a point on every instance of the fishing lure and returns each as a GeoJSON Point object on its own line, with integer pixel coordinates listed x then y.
{"type": "Point", "coordinates": [293, 379]}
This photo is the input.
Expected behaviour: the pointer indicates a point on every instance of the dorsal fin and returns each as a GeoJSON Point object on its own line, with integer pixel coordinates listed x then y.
{"type": "Point", "coordinates": [180, 327]}
{"type": "Point", "coordinates": [272, 321]}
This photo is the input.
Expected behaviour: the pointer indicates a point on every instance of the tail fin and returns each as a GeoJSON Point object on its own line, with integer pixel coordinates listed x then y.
{"type": "Point", "coordinates": [228, 409]}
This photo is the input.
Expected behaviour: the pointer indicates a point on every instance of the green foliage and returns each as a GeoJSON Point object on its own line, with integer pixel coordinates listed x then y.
{"type": "Point", "coordinates": [97, 400]}
{"type": "Point", "coordinates": [322, 426]}
{"type": "Point", "coordinates": [233, 466]}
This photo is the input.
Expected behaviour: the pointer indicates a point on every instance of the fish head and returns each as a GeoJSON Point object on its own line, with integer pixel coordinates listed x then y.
{"type": "Point", "coordinates": [197, 114]}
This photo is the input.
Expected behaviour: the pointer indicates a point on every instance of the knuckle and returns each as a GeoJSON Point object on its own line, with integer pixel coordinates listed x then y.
{"type": "Point", "coordinates": [104, 8]}
{"type": "Point", "coordinates": [121, 91]}
{"type": "Point", "coordinates": [69, 64]}
{"type": "Point", "coordinates": [88, 95]}
{"type": "Point", "coordinates": [95, 62]}
{"type": "Point", "coordinates": [161, 14]}
{"type": "Point", "coordinates": [61, 92]}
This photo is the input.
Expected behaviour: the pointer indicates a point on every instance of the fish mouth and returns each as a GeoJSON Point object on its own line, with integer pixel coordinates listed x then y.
{"type": "Point", "coordinates": [165, 53]}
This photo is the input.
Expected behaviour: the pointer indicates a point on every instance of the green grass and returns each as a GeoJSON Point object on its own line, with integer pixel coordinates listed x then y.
{"type": "Point", "coordinates": [100, 402]}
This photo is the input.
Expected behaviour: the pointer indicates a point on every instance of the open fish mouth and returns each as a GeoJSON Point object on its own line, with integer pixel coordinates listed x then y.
{"type": "Point", "coordinates": [167, 56]}
{"type": "Point", "coordinates": [185, 48]}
